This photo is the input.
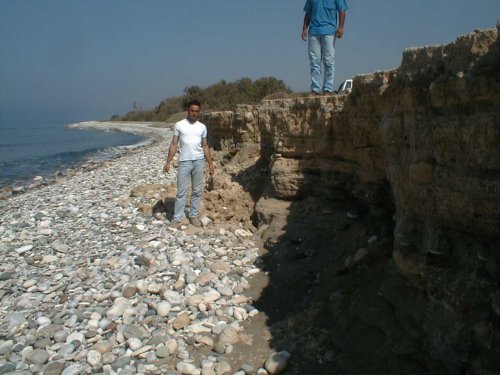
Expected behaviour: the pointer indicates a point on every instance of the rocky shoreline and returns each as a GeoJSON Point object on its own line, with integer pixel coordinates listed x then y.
{"type": "Point", "coordinates": [91, 284]}
{"type": "Point", "coordinates": [152, 132]}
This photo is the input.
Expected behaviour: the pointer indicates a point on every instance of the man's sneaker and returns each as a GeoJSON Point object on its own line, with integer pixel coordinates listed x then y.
{"type": "Point", "coordinates": [195, 222]}
{"type": "Point", "coordinates": [175, 224]}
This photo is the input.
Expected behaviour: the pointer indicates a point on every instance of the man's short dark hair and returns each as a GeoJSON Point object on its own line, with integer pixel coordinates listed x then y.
{"type": "Point", "coordinates": [193, 102]}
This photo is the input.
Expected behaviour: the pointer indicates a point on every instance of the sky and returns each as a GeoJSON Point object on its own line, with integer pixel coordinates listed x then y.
{"type": "Point", "coordinates": [78, 60]}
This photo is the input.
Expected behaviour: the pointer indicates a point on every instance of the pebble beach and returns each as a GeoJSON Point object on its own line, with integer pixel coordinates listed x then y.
{"type": "Point", "coordinates": [90, 284]}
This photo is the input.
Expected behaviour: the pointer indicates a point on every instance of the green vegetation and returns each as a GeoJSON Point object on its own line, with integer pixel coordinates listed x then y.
{"type": "Point", "coordinates": [220, 96]}
{"type": "Point", "coordinates": [176, 117]}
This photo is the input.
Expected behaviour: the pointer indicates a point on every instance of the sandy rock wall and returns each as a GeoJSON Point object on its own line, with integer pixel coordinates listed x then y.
{"type": "Point", "coordinates": [421, 144]}
{"type": "Point", "coordinates": [423, 137]}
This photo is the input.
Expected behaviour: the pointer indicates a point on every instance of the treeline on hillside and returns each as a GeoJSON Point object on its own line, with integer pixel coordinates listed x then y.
{"type": "Point", "coordinates": [220, 96]}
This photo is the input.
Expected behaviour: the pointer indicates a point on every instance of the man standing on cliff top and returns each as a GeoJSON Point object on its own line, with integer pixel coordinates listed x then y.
{"type": "Point", "coordinates": [320, 25]}
{"type": "Point", "coordinates": [191, 136]}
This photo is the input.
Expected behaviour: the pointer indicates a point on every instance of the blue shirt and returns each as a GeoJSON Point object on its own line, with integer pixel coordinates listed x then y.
{"type": "Point", "coordinates": [323, 15]}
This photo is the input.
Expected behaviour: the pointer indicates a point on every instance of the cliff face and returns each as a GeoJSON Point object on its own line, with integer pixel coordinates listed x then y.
{"type": "Point", "coordinates": [420, 145]}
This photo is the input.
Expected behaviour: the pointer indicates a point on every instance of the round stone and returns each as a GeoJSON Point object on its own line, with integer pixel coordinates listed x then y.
{"type": "Point", "coordinates": [61, 336]}
{"type": "Point", "coordinates": [43, 321]}
{"type": "Point", "coordinates": [186, 368]}
{"type": "Point", "coordinates": [133, 332]}
{"type": "Point", "coordinates": [134, 343]}
{"type": "Point", "coordinates": [163, 308]}
{"type": "Point", "coordinates": [53, 368]}
{"type": "Point", "coordinates": [94, 359]}
{"type": "Point", "coordinates": [229, 335]}
{"type": "Point", "coordinates": [277, 362]}
{"type": "Point", "coordinates": [75, 336]}
{"type": "Point", "coordinates": [39, 357]}
{"type": "Point", "coordinates": [222, 368]}
{"type": "Point", "coordinates": [74, 369]}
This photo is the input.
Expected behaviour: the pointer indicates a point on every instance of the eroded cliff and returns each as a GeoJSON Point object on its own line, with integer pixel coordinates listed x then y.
{"type": "Point", "coordinates": [411, 155]}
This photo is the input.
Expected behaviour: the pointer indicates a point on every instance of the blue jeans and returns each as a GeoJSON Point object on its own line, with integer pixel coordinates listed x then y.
{"type": "Point", "coordinates": [189, 171]}
{"type": "Point", "coordinates": [322, 51]}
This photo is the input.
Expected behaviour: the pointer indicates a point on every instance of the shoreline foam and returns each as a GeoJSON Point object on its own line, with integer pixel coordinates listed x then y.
{"type": "Point", "coordinates": [147, 129]}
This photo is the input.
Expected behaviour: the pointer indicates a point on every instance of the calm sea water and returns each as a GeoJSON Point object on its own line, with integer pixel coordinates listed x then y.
{"type": "Point", "coordinates": [30, 150]}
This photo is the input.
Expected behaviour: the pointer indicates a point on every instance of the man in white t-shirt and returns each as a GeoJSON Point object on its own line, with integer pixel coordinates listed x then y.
{"type": "Point", "coordinates": [191, 136]}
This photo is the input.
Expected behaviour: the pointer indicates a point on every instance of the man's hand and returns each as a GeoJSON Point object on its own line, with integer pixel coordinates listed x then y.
{"type": "Point", "coordinates": [305, 27]}
{"type": "Point", "coordinates": [172, 149]}
{"type": "Point", "coordinates": [340, 29]}
{"type": "Point", "coordinates": [211, 169]}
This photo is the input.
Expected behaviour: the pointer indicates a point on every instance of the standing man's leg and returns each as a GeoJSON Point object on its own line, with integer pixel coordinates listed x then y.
{"type": "Point", "coordinates": [314, 47]}
{"type": "Point", "coordinates": [197, 175]}
{"type": "Point", "coordinates": [328, 50]}
{"type": "Point", "coordinates": [183, 178]}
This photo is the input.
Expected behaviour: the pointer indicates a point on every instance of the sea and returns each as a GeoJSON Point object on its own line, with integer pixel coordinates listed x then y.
{"type": "Point", "coordinates": [29, 150]}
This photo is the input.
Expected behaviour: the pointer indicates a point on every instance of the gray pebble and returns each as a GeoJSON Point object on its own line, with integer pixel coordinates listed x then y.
{"type": "Point", "coordinates": [53, 368]}
{"type": "Point", "coordinates": [7, 367]}
{"type": "Point", "coordinates": [74, 369]}
{"type": "Point", "coordinates": [39, 357]}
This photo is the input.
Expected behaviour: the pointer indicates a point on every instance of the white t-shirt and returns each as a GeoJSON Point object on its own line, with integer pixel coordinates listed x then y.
{"type": "Point", "coordinates": [190, 137]}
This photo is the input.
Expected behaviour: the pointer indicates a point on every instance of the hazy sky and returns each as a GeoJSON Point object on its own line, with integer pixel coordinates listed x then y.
{"type": "Point", "coordinates": [76, 60]}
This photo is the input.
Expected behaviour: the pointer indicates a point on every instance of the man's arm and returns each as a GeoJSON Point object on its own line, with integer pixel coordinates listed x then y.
{"type": "Point", "coordinates": [208, 157]}
{"type": "Point", "coordinates": [172, 149]}
{"type": "Point", "coordinates": [305, 26]}
{"type": "Point", "coordinates": [340, 29]}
